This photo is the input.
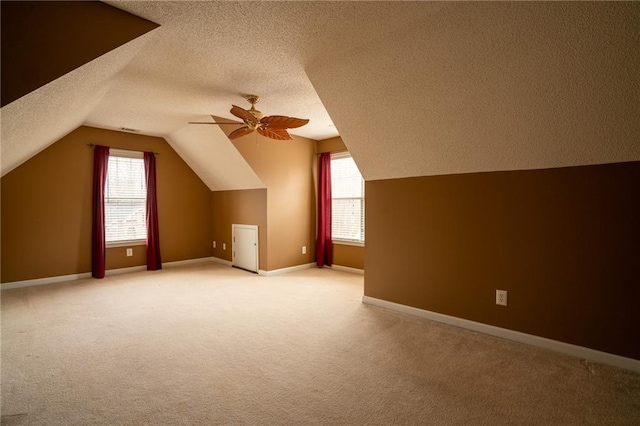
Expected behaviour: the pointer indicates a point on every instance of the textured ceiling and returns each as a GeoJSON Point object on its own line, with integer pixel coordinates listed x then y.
{"type": "Point", "coordinates": [40, 118]}
{"type": "Point", "coordinates": [44, 40]}
{"type": "Point", "coordinates": [491, 86]}
{"type": "Point", "coordinates": [207, 151]}
{"type": "Point", "coordinates": [200, 61]}
{"type": "Point", "coordinates": [413, 88]}
{"type": "Point", "coordinates": [207, 55]}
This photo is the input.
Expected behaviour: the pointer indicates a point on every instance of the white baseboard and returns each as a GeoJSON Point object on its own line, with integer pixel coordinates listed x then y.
{"type": "Point", "coordinates": [120, 271]}
{"type": "Point", "coordinates": [43, 281]}
{"type": "Point", "coordinates": [108, 272]}
{"type": "Point", "coordinates": [345, 269]}
{"type": "Point", "coordinates": [173, 264]}
{"type": "Point", "coordinates": [286, 270]}
{"type": "Point", "coordinates": [188, 262]}
{"type": "Point", "coordinates": [222, 261]}
{"type": "Point", "coordinates": [529, 339]}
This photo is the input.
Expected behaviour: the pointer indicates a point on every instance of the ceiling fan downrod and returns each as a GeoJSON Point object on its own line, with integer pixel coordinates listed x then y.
{"type": "Point", "coordinates": [253, 100]}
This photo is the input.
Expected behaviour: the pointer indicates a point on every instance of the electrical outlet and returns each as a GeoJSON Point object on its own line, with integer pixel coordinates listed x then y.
{"type": "Point", "coordinates": [304, 249]}
{"type": "Point", "coordinates": [224, 246]}
{"type": "Point", "coordinates": [129, 252]}
{"type": "Point", "coordinates": [214, 244]}
{"type": "Point", "coordinates": [501, 297]}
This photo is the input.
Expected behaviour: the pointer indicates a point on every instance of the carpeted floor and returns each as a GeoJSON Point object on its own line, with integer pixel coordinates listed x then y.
{"type": "Point", "coordinates": [207, 344]}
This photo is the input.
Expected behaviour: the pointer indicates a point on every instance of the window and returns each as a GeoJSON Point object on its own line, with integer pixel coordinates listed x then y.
{"type": "Point", "coordinates": [125, 198]}
{"type": "Point", "coordinates": [347, 200]}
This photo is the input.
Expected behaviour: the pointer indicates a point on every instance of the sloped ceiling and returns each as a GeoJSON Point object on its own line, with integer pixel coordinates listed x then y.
{"type": "Point", "coordinates": [208, 55]}
{"type": "Point", "coordinates": [40, 118]}
{"type": "Point", "coordinates": [56, 68]}
{"type": "Point", "coordinates": [207, 151]}
{"type": "Point", "coordinates": [491, 86]}
{"type": "Point", "coordinates": [42, 41]}
{"type": "Point", "coordinates": [204, 57]}
{"type": "Point", "coordinates": [413, 88]}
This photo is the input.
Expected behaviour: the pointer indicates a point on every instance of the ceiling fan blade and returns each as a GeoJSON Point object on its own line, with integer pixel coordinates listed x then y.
{"type": "Point", "coordinates": [208, 122]}
{"type": "Point", "coordinates": [240, 132]}
{"type": "Point", "coordinates": [277, 134]}
{"type": "Point", "coordinates": [283, 122]}
{"type": "Point", "coordinates": [245, 115]}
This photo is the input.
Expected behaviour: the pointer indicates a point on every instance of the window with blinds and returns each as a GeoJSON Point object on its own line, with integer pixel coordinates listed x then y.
{"type": "Point", "coordinates": [125, 198]}
{"type": "Point", "coordinates": [347, 200]}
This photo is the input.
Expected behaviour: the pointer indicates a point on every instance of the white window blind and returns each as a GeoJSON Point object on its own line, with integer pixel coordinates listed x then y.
{"type": "Point", "coordinates": [347, 200]}
{"type": "Point", "coordinates": [125, 198]}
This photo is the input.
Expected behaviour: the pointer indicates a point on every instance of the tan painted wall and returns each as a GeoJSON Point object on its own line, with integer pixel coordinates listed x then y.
{"type": "Point", "coordinates": [346, 255]}
{"type": "Point", "coordinates": [42, 41]}
{"type": "Point", "coordinates": [332, 145]}
{"type": "Point", "coordinates": [46, 208]}
{"type": "Point", "coordinates": [343, 255]}
{"type": "Point", "coordinates": [247, 207]}
{"type": "Point", "coordinates": [286, 168]}
{"type": "Point", "coordinates": [565, 244]}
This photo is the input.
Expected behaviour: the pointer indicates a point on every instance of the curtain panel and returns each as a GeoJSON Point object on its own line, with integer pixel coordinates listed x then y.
{"type": "Point", "coordinates": [324, 245]}
{"type": "Point", "coordinates": [154, 260]}
{"type": "Point", "coordinates": [98, 239]}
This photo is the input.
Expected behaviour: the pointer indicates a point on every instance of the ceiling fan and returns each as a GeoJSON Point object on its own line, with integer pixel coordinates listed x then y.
{"type": "Point", "coordinates": [272, 126]}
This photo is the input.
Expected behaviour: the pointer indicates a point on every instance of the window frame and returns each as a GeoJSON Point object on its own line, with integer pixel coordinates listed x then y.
{"type": "Point", "coordinates": [124, 243]}
{"type": "Point", "coordinates": [347, 242]}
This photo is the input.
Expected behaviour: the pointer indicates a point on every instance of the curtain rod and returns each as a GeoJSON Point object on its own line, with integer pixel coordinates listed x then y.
{"type": "Point", "coordinates": [123, 149]}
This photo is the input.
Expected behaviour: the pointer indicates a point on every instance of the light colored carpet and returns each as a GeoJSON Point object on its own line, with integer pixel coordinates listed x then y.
{"type": "Point", "coordinates": [207, 344]}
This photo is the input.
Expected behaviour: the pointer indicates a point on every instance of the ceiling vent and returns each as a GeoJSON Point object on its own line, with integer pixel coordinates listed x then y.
{"type": "Point", "coordinates": [129, 129]}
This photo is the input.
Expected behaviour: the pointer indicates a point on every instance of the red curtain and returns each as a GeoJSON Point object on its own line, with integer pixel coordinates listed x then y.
{"type": "Point", "coordinates": [98, 243]}
{"type": "Point", "coordinates": [154, 260]}
{"type": "Point", "coordinates": [324, 245]}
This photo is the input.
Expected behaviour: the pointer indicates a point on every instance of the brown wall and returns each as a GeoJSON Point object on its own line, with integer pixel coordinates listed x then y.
{"type": "Point", "coordinates": [343, 255]}
{"type": "Point", "coordinates": [565, 244]}
{"type": "Point", "coordinates": [42, 41]}
{"type": "Point", "coordinates": [348, 255]}
{"type": "Point", "coordinates": [286, 168]}
{"type": "Point", "coordinates": [248, 207]}
{"type": "Point", "coordinates": [46, 208]}
{"type": "Point", "coordinates": [332, 145]}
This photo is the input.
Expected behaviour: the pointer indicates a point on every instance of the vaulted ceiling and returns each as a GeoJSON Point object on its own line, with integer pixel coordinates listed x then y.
{"type": "Point", "coordinates": [413, 88]}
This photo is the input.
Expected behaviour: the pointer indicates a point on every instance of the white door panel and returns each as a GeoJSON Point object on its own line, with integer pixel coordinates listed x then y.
{"type": "Point", "coordinates": [245, 247]}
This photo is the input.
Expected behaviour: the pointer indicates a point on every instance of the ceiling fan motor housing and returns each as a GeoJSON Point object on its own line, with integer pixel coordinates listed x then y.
{"type": "Point", "coordinates": [253, 100]}
{"type": "Point", "coordinates": [257, 114]}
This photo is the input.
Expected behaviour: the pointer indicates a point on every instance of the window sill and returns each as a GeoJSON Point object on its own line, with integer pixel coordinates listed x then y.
{"type": "Point", "coordinates": [348, 243]}
{"type": "Point", "coordinates": [127, 243]}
